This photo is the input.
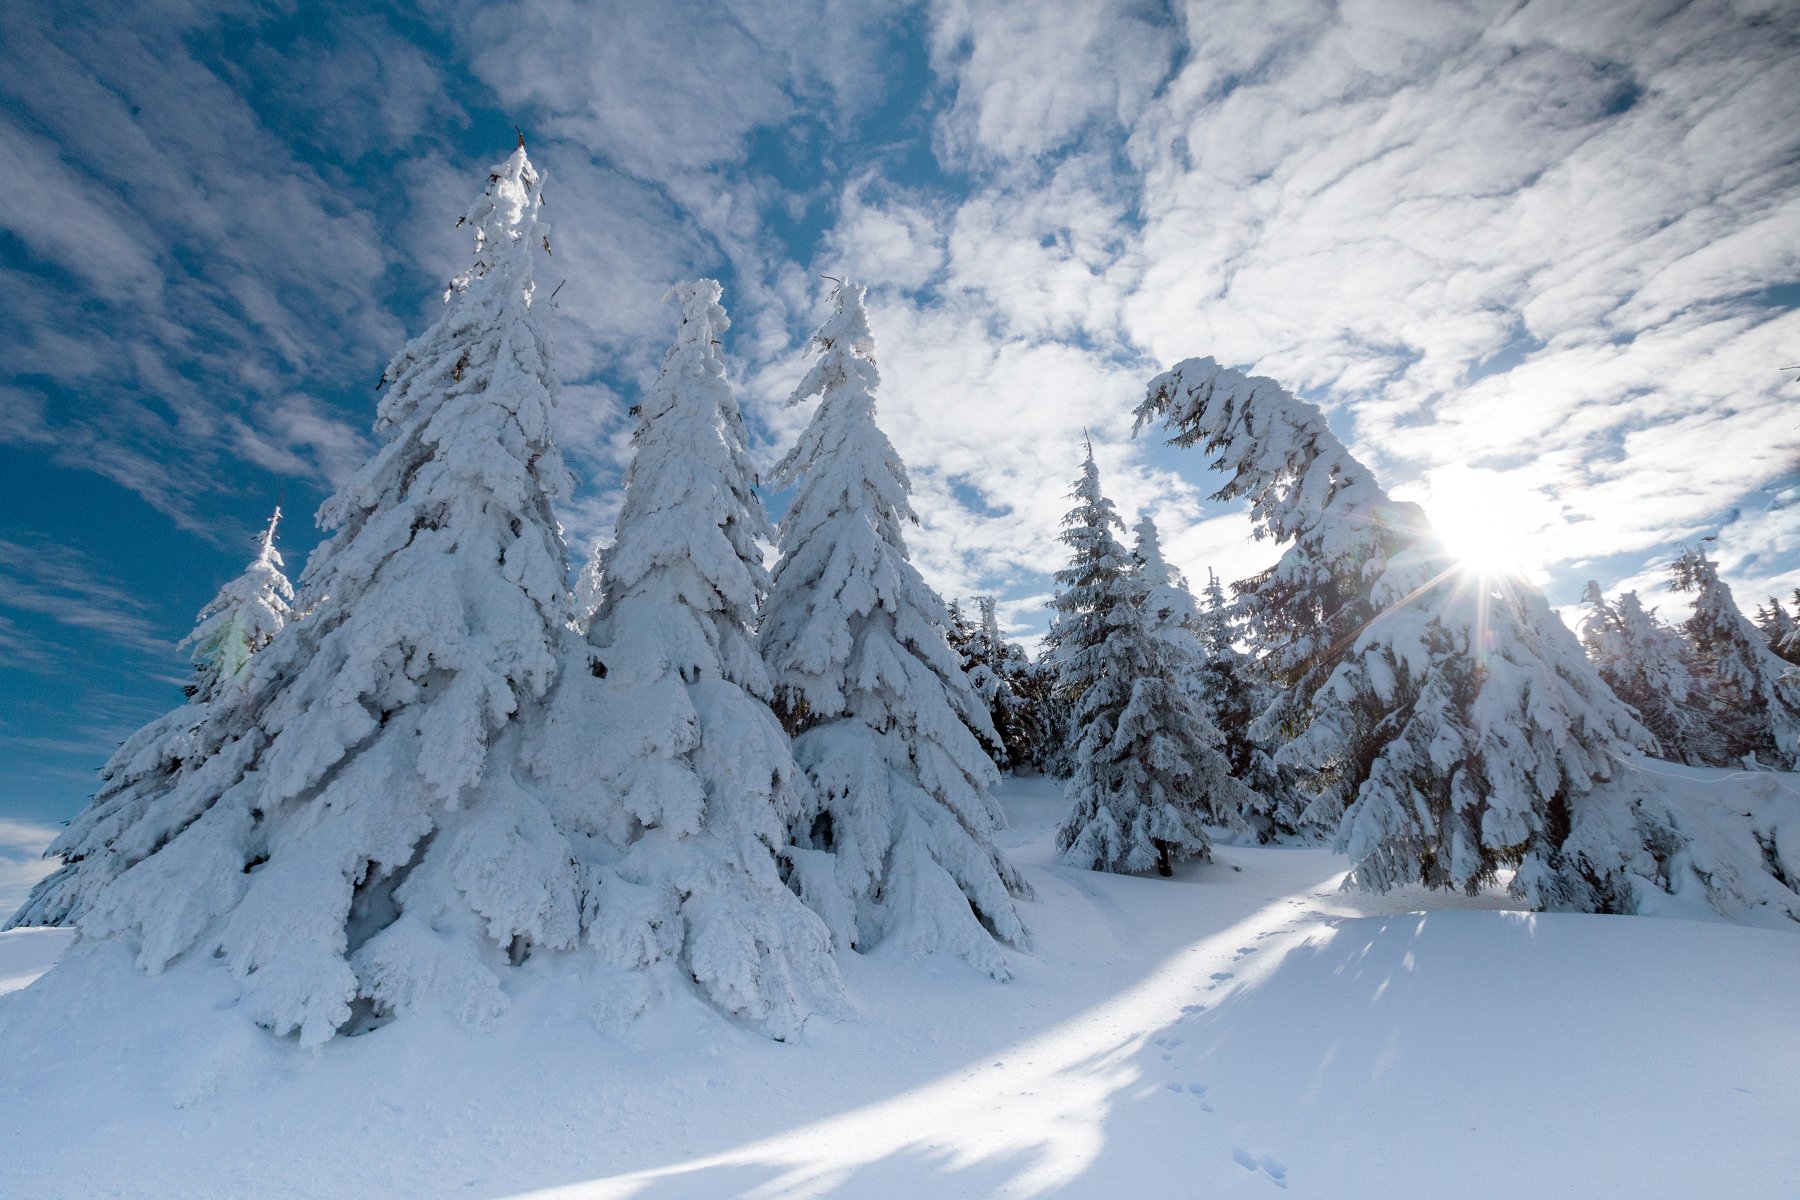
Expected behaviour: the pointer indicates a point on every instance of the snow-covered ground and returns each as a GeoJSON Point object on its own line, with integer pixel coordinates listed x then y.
{"type": "Point", "coordinates": [1240, 1030]}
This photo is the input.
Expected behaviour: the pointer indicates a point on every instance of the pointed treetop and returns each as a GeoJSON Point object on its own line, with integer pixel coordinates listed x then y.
{"type": "Point", "coordinates": [505, 219]}
{"type": "Point", "coordinates": [266, 548]}
{"type": "Point", "coordinates": [1157, 571]}
{"type": "Point", "coordinates": [703, 319]}
{"type": "Point", "coordinates": [846, 348]}
{"type": "Point", "coordinates": [697, 355]}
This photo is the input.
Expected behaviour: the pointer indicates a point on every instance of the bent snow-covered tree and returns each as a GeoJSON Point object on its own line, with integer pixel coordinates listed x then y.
{"type": "Point", "coordinates": [670, 716]}
{"type": "Point", "coordinates": [1148, 775]}
{"type": "Point", "coordinates": [367, 844]}
{"type": "Point", "coordinates": [142, 800]}
{"type": "Point", "coordinates": [902, 849]}
{"type": "Point", "coordinates": [1448, 725]}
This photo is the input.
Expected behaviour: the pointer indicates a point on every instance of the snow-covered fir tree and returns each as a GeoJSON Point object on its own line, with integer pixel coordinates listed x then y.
{"type": "Point", "coordinates": [1781, 630]}
{"type": "Point", "coordinates": [130, 816]}
{"type": "Point", "coordinates": [1648, 665]}
{"type": "Point", "coordinates": [669, 715]}
{"type": "Point", "coordinates": [1147, 774]}
{"type": "Point", "coordinates": [1447, 725]}
{"type": "Point", "coordinates": [987, 668]}
{"type": "Point", "coordinates": [1170, 610]}
{"type": "Point", "coordinates": [1232, 695]}
{"type": "Point", "coordinates": [364, 843]}
{"type": "Point", "coordinates": [1750, 682]}
{"type": "Point", "coordinates": [1789, 646]}
{"type": "Point", "coordinates": [243, 618]}
{"type": "Point", "coordinates": [1033, 725]}
{"type": "Point", "coordinates": [959, 632]}
{"type": "Point", "coordinates": [589, 590]}
{"type": "Point", "coordinates": [902, 850]}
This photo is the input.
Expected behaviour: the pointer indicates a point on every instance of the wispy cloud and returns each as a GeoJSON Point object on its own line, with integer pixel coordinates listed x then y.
{"type": "Point", "coordinates": [22, 862]}
{"type": "Point", "coordinates": [62, 585]}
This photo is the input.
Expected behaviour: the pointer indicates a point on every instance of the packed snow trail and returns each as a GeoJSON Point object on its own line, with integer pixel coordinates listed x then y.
{"type": "Point", "coordinates": [1045, 1102]}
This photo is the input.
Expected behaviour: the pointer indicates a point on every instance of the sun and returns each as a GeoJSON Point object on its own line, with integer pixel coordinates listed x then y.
{"type": "Point", "coordinates": [1488, 523]}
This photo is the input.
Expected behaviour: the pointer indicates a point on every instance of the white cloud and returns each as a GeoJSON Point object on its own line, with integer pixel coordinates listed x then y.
{"type": "Point", "coordinates": [1030, 77]}
{"type": "Point", "coordinates": [22, 862]}
{"type": "Point", "coordinates": [1383, 202]}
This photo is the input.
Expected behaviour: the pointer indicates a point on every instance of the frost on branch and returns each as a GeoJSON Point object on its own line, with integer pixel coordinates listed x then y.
{"type": "Point", "coordinates": [901, 849]}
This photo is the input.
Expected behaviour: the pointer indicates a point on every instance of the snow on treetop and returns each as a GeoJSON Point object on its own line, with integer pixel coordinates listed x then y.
{"type": "Point", "coordinates": [505, 218]}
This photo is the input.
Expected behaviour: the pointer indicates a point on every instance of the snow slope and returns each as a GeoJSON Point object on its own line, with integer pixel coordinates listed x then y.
{"type": "Point", "coordinates": [1242, 1030]}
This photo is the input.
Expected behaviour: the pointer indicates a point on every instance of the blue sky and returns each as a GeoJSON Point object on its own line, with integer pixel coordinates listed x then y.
{"type": "Point", "coordinates": [1540, 262]}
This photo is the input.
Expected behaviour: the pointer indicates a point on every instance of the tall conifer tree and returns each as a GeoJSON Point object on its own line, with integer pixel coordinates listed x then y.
{"type": "Point", "coordinates": [1752, 684]}
{"type": "Point", "coordinates": [131, 814]}
{"type": "Point", "coordinates": [1649, 666]}
{"type": "Point", "coordinates": [903, 848]}
{"type": "Point", "coordinates": [365, 842]}
{"type": "Point", "coordinates": [1147, 773]}
{"type": "Point", "coordinates": [671, 717]}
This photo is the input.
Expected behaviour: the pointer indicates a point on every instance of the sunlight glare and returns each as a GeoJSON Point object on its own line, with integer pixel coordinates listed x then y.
{"type": "Point", "coordinates": [1489, 524]}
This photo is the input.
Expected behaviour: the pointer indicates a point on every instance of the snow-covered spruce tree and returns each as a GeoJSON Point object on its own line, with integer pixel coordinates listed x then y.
{"type": "Point", "coordinates": [589, 589]}
{"type": "Point", "coordinates": [131, 814]}
{"type": "Point", "coordinates": [1647, 665]}
{"type": "Point", "coordinates": [367, 843]}
{"type": "Point", "coordinates": [1233, 695]}
{"type": "Point", "coordinates": [1038, 721]}
{"type": "Point", "coordinates": [243, 618]}
{"type": "Point", "coordinates": [959, 633]}
{"type": "Point", "coordinates": [1446, 725]}
{"type": "Point", "coordinates": [1750, 683]}
{"type": "Point", "coordinates": [1170, 611]}
{"type": "Point", "coordinates": [1781, 630]}
{"type": "Point", "coordinates": [965, 642]}
{"type": "Point", "coordinates": [666, 710]}
{"type": "Point", "coordinates": [986, 666]}
{"type": "Point", "coordinates": [1147, 772]}
{"type": "Point", "coordinates": [902, 850]}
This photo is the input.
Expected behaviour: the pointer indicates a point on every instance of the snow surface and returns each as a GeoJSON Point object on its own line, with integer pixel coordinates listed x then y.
{"type": "Point", "coordinates": [1244, 1029]}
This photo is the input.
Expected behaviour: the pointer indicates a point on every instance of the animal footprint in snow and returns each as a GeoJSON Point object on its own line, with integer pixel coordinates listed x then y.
{"type": "Point", "coordinates": [1274, 1168]}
